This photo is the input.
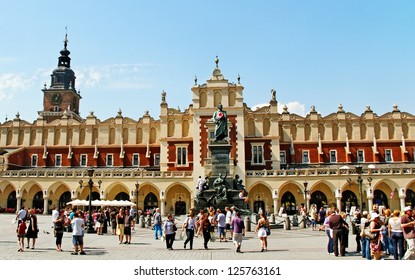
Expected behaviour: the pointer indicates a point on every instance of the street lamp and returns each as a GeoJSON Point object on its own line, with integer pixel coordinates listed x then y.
{"type": "Point", "coordinates": [360, 182]}
{"type": "Point", "coordinates": [137, 185]}
{"type": "Point", "coordinates": [90, 227]}
{"type": "Point", "coordinates": [306, 192]}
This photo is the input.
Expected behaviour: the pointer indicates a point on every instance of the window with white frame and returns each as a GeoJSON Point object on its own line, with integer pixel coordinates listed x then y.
{"type": "Point", "coordinates": [181, 155]}
{"type": "Point", "coordinates": [58, 160]}
{"type": "Point", "coordinates": [156, 159]}
{"type": "Point", "coordinates": [283, 157]}
{"type": "Point", "coordinates": [333, 156]}
{"type": "Point", "coordinates": [360, 156]}
{"type": "Point", "coordinates": [34, 161]}
{"type": "Point", "coordinates": [136, 159]}
{"type": "Point", "coordinates": [110, 160]}
{"type": "Point", "coordinates": [306, 156]}
{"type": "Point", "coordinates": [258, 154]}
{"type": "Point", "coordinates": [388, 156]}
{"type": "Point", "coordinates": [83, 160]}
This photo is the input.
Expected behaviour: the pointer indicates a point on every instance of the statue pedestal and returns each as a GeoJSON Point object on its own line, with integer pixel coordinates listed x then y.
{"type": "Point", "coordinates": [220, 151]}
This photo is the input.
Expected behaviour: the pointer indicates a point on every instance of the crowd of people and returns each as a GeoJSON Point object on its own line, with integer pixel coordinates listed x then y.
{"type": "Point", "coordinates": [377, 233]}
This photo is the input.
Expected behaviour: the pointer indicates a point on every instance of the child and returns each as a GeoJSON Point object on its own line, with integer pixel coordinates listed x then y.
{"type": "Point", "coordinates": [21, 232]}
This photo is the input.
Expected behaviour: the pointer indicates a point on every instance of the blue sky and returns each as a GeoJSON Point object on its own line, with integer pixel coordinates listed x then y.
{"type": "Point", "coordinates": [125, 53]}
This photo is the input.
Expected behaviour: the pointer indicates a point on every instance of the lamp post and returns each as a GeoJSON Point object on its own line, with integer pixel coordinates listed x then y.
{"type": "Point", "coordinates": [306, 192]}
{"type": "Point", "coordinates": [90, 228]}
{"type": "Point", "coordinates": [137, 185]}
{"type": "Point", "coordinates": [360, 182]}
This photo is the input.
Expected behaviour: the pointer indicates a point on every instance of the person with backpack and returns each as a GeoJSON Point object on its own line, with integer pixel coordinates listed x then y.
{"type": "Point", "coordinates": [157, 224]}
{"type": "Point", "coordinates": [59, 225]}
{"type": "Point", "coordinates": [21, 232]}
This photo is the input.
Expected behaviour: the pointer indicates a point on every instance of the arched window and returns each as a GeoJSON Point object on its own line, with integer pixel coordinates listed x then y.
{"type": "Point", "coordinates": [125, 135]}
{"type": "Point", "coordinates": [153, 135]}
{"type": "Point", "coordinates": [21, 137]}
{"type": "Point", "coordinates": [82, 136]}
{"type": "Point", "coordinates": [203, 99]}
{"type": "Point", "coordinates": [231, 99]}
{"type": "Point", "coordinates": [63, 199]}
{"type": "Point", "coordinates": [410, 198]}
{"type": "Point", "coordinates": [307, 132]}
{"type": "Point", "coordinates": [94, 136]}
{"type": "Point", "coordinates": [122, 196]}
{"type": "Point", "coordinates": [335, 132]}
{"type": "Point", "coordinates": [11, 200]}
{"type": "Point", "coordinates": [69, 136]}
{"type": "Point", "coordinates": [377, 131]}
{"type": "Point", "coordinates": [217, 98]}
{"type": "Point", "coordinates": [405, 130]}
{"type": "Point", "coordinates": [139, 136]}
{"type": "Point", "coordinates": [251, 127]}
{"type": "Point", "coordinates": [45, 136]}
{"type": "Point", "coordinates": [288, 202]}
{"type": "Point", "coordinates": [293, 132]}
{"type": "Point", "coordinates": [185, 128]}
{"type": "Point", "coordinates": [9, 138]}
{"type": "Point", "coordinates": [32, 137]}
{"type": "Point", "coordinates": [321, 130]}
{"type": "Point", "coordinates": [57, 137]}
{"type": "Point", "coordinates": [363, 131]}
{"type": "Point", "coordinates": [391, 131]}
{"type": "Point", "coordinates": [111, 137]}
{"type": "Point", "coordinates": [170, 128]}
{"type": "Point", "coordinates": [349, 130]}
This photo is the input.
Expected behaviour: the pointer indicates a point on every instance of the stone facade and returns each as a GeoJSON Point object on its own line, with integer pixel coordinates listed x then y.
{"type": "Point", "coordinates": [274, 153]}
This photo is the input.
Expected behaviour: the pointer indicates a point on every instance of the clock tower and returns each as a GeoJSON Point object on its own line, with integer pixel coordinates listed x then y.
{"type": "Point", "coordinates": [61, 97]}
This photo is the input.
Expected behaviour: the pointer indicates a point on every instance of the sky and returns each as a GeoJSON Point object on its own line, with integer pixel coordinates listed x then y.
{"type": "Point", "coordinates": [125, 53]}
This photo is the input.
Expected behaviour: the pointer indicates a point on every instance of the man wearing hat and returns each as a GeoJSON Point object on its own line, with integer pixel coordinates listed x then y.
{"type": "Point", "coordinates": [407, 224]}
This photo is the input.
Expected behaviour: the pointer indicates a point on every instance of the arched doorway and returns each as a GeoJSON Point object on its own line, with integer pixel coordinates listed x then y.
{"type": "Point", "coordinates": [349, 199]}
{"type": "Point", "coordinates": [180, 208]}
{"type": "Point", "coordinates": [380, 198]}
{"type": "Point", "coordinates": [259, 204]}
{"type": "Point", "coordinates": [94, 196]}
{"type": "Point", "coordinates": [37, 202]}
{"type": "Point", "coordinates": [410, 198]}
{"type": "Point", "coordinates": [119, 196]}
{"type": "Point", "coordinates": [65, 198]}
{"type": "Point", "coordinates": [288, 202]}
{"type": "Point", "coordinates": [150, 202]}
{"type": "Point", "coordinates": [318, 198]}
{"type": "Point", "coordinates": [11, 200]}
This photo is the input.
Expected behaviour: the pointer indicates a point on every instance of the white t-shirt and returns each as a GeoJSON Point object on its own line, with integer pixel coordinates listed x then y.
{"type": "Point", "coordinates": [228, 217]}
{"type": "Point", "coordinates": [22, 213]}
{"type": "Point", "coordinates": [221, 220]}
{"type": "Point", "coordinates": [77, 228]}
{"type": "Point", "coordinates": [55, 214]}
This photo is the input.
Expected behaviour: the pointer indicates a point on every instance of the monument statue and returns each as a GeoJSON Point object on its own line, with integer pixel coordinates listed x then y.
{"type": "Point", "coordinates": [220, 118]}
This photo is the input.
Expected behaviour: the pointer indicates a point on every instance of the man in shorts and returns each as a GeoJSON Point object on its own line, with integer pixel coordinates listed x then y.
{"type": "Point", "coordinates": [238, 230]}
{"type": "Point", "coordinates": [78, 225]}
{"type": "Point", "coordinates": [228, 220]}
{"type": "Point", "coordinates": [221, 225]}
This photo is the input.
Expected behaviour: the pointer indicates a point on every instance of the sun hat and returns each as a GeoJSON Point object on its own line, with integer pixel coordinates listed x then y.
{"type": "Point", "coordinates": [407, 208]}
{"type": "Point", "coordinates": [374, 216]}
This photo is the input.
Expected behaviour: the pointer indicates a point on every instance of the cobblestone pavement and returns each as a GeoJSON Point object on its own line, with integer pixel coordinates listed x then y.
{"type": "Point", "coordinates": [295, 244]}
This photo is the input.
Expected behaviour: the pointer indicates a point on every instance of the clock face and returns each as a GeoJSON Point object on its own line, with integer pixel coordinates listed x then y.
{"type": "Point", "coordinates": [56, 99]}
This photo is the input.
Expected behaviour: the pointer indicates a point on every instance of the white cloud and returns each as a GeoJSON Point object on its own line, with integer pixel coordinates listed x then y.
{"type": "Point", "coordinates": [115, 77]}
{"type": "Point", "coordinates": [294, 107]}
{"type": "Point", "coordinates": [11, 83]}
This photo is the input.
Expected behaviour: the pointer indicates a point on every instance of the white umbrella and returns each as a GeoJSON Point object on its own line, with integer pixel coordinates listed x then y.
{"type": "Point", "coordinates": [78, 202]}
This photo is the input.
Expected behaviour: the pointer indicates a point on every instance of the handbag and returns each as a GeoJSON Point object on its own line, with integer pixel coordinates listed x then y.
{"type": "Point", "coordinates": [174, 227]}
{"type": "Point", "coordinates": [267, 230]}
{"type": "Point", "coordinates": [368, 234]}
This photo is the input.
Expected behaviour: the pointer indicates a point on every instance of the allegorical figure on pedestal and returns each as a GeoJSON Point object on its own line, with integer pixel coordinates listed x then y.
{"type": "Point", "coordinates": [220, 118]}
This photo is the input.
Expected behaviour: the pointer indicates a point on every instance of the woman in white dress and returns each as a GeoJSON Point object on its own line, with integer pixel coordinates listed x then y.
{"type": "Point", "coordinates": [261, 230]}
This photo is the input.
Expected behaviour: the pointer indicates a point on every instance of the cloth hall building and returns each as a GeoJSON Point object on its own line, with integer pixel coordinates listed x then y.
{"type": "Point", "coordinates": [284, 159]}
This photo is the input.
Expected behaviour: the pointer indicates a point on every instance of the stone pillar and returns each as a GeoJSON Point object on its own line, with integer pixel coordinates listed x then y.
{"type": "Point", "coordinates": [369, 200]}
{"type": "Point", "coordinates": [338, 199]}
{"type": "Point", "coordinates": [45, 204]}
{"type": "Point", "coordinates": [162, 206]}
{"type": "Point", "coordinates": [402, 198]}
{"type": "Point", "coordinates": [19, 203]}
{"type": "Point", "coordinates": [276, 206]}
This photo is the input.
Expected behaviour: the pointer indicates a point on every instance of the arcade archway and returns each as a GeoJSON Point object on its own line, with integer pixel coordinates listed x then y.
{"type": "Point", "coordinates": [318, 198]}
{"type": "Point", "coordinates": [289, 203]}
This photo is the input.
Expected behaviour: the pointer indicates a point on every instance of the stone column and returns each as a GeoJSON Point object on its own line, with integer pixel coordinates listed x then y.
{"type": "Point", "coordinates": [162, 206]}
{"type": "Point", "coordinates": [19, 202]}
{"type": "Point", "coordinates": [338, 193]}
{"type": "Point", "coordinates": [45, 204]}
{"type": "Point", "coordinates": [369, 200]}
{"type": "Point", "coordinates": [402, 198]}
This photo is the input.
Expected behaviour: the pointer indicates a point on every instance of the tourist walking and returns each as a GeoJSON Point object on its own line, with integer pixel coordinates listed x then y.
{"type": "Point", "coordinates": [238, 231]}
{"type": "Point", "coordinates": [329, 232]}
{"type": "Point", "coordinates": [22, 215]}
{"type": "Point", "coordinates": [32, 230]}
{"type": "Point", "coordinates": [113, 219]}
{"type": "Point", "coordinates": [364, 223]}
{"type": "Point", "coordinates": [78, 226]}
{"type": "Point", "coordinates": [396, 235]}
{"type": "Point", "coordinates": [262, 231]}
{"type": "Point", "coordinates": [158, 232]}
{"type": "Point", "coordinates": [189, 227]}
{"type": "Point", "coordinates": [220, 220]}
{"type": "Point", "coordinates": [169, 232]}
{"type": "Point", "coordinates": [407, 224]}
{"type": "Point", "coordinates": [376, 227]}
{"type": "Point", "coordinates": [59, 225]}
{"type": "Point", "coordinates": [204, 229]}
{"type": "Point", "coordinates": [99, 221]}
{"type": "Point", "coordinates": [120, 218]}
{"type": "Point", "coordinates": [21, 231]}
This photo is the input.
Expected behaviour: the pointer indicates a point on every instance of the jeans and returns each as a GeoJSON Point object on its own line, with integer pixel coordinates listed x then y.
{"type": "Point", "coordinates": [397, 244]}
{"type": "Point", "coordinates": [366, 248]}
{"type": "Point", "coordinates": [330, 243]}
{"type": "Point", "coordinates": [170, 240]}
{"type": "Point", "coordinates": [158, 232]}
{"type": "Point", "coordinates": [190, 233]}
